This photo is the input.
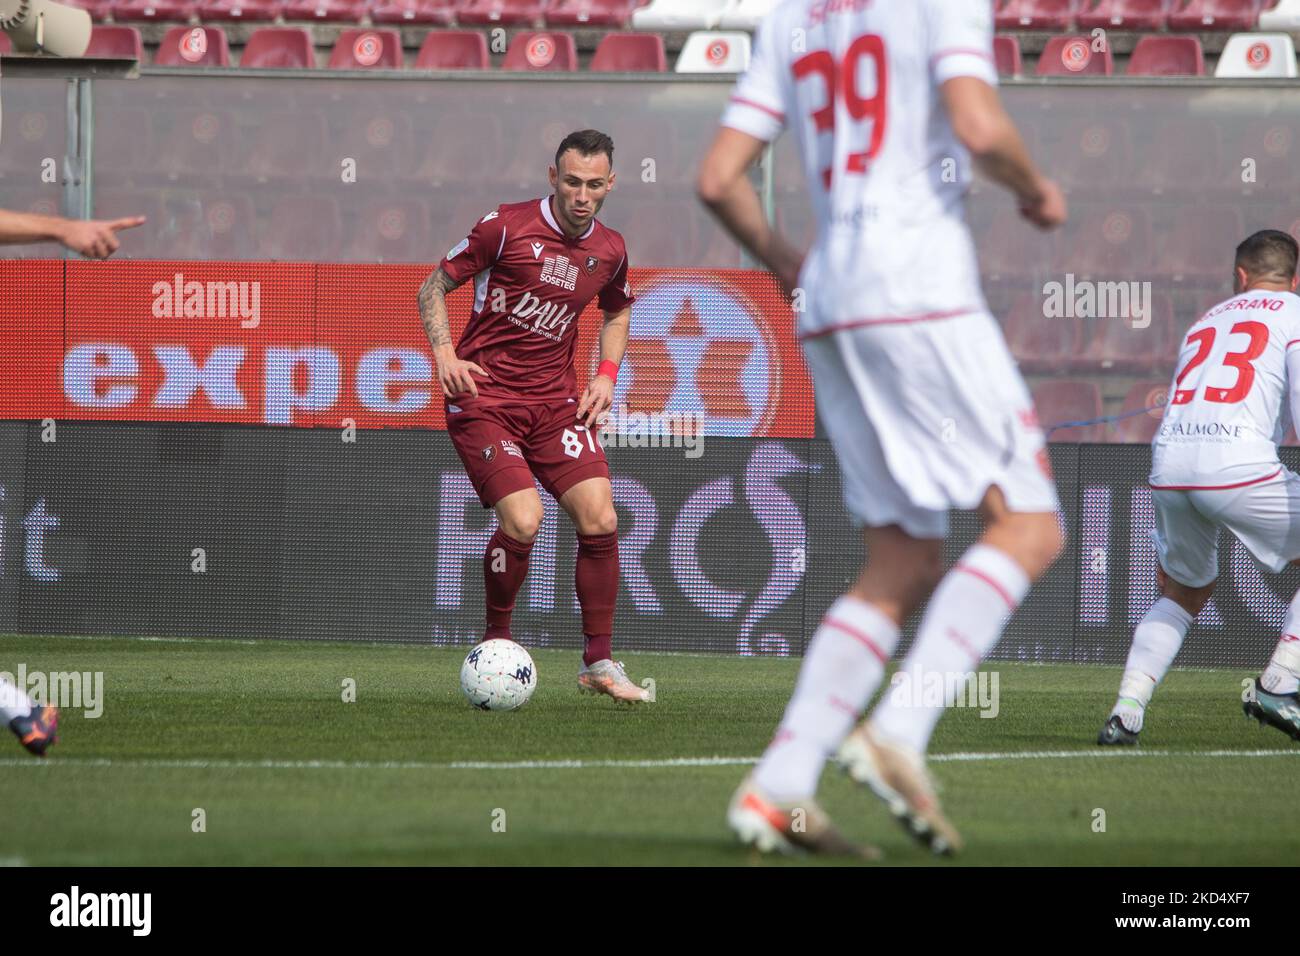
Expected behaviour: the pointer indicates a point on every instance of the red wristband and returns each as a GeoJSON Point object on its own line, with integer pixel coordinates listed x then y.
{"type": "Point", "coordinates": [608, 368]}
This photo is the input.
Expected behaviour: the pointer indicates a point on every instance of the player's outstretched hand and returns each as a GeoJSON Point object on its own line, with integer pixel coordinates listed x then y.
{"type": "Point", "coordinates": [596, 400]}
{"type": "Point", "coordinates": [455, 378]}
{"type": "Point", "coordinates": [96, 238]}
{"type": "Point", "coordinates": [1049, 210]}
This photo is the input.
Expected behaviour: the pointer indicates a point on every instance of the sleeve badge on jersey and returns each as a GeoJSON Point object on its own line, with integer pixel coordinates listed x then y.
{"type": "Point", "coordinates": [592, 264]}
{"type": "Point", "coordinates": [489, 452]}
{"type": "Point", "coordinates": [458, 249]}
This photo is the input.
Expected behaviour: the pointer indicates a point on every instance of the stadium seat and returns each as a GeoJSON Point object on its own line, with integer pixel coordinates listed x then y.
{"type": "Point", "coordinates": [708, 52]}
{"type": "Point", "coordinates": [424, 12]}
{"type": "Point", "coordinates": [288, 147]}
{"type": "Point", "coordinates": [1125, 15]}
{"type": "Point", "coordinates": [396, 230]}
{"type": "Point", "coordinates": [1140, 428]}
{"type": "Point", "coordinates": [1093, 151]}
{"type": "Point", "coordinates": [680, 15]}
{"type": "Point", "coordinates": [291, 217]}
{"type": "Point", "coordinates": [1074, 56]}
{"type": "Point", "coordinates": [115, 41]}
{"type": "Point", "coordinates": [178, 10]}
{"type": "Point", "coordinates": [1117, 344]}
{"type": "Point", "coordinates": [124, 146]}
{"type": "Point", "coordinates": [453, 50]}
{"type": "Point", "coordinates": [1285, 16]}
{"type": "Point", "coordinates": [359, 49]}
{"type": "Point", "coordinates": [746, 14]}
{"type": "Point", "coordinates": [1040, 344]}
{"type": "Point", "coordinates": [1108, 242]}
{"type": "Point", "coordinates": [1183, 155]}
{"type": "Point", "coordinates": [1250, 55]}
{"type": "Point", "coordinates": [1037, 14]}
{"type": "Point", "coordinates": [502, 12]}
{"type": "Point", "coordinates": [327, 10]}
{"type": "Point", "coordinates": [1196, 245]}
{"type": "Point", "coordinates": [593, 13]}
{"type": "Point", "coordinates": [213, 225]}
{"type": "Point", "coordinates": [631, 53]}
{"type": "Point", "coordinates": [279, 48]}
{"type": "Point", "coordinates": [1058, 402]}
{"type": "Point", "coordinates": [444, 159]}
{"type": "Point", "coordinates": [193, 46]}
{"type": "Point", "coordinates": [1274, 147]}
{"type": "Point", "coordinates": [1167, 56]}
{"type": "Point", "coordinates": [1011, 250]}
{"type": "Point", "coordinates": [1202, 15]}
{"type": "Point", "coordinates": [1006, 53]}
{"type": "Point", "coordinates": [542, 53]}
{"type": "Point", "coordinates": [195, 145]}
{"type": "Point", "coordinates": [380, 141]}
{"type": "Point", "coordinates": [239, 10]}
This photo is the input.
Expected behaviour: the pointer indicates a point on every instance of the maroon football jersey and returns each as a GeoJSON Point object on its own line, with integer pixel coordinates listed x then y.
{"type": "Point", "coordinates": [531, 282]}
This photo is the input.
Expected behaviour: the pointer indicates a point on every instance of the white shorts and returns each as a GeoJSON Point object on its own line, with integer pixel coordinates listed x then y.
{"type": "Point", "coordinates": [1264, 517]}
{"type": "Point", "coordinates": [925, 417]}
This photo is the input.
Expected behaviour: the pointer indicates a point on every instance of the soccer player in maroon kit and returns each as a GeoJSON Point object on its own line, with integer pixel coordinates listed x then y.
{"type": "Point", "coordinates": [513, 411]}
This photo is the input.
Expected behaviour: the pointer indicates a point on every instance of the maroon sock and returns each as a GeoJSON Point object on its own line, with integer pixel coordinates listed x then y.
{"type": "Point", "coordinates": [595, 577]}
{"type": "Point", "coordinates": [505, 564]}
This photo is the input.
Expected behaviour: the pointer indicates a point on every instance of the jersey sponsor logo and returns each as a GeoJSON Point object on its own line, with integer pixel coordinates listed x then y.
{"type": "Point", "coordinates": [548, 319]}
{"type": "Point", "coordinates": [557, 270]}
{"type": "Point", "coordinates": [458, 249]}
{"type": "Point", "coordinates": [592, 264]}
{"type": "Point", "coordinates": [511, 448]}
{"type": "Point", "coordinates": [537, 250]}
{"type": "Point", "coordinates": [820, 11]}
{"type": "Point", "coordinates": [1222, 430]}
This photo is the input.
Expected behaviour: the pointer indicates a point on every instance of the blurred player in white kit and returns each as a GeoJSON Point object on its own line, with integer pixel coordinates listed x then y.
{"type": "Point", "coordinates": [1214, 464]}
{"type": "Point", "coordinates": [889, 101]}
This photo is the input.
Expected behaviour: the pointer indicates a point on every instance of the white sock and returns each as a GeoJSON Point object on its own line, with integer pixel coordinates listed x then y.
{"type": "Point", "coordinates": [963, 621]}
{"type": "Point", "coordinates": [1282, 676]}
{"type": "Point", "coordinates": [841, 671]}
{"type": "Point", "coordinates": [13, 702]}
{"type": "Point", "coordinates": [1156, 641]}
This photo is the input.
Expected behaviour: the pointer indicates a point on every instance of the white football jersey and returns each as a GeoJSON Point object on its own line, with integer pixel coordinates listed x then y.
{"type": "Point", "coordinates": [1233, 395]}
{"type": "Point", "coordinates": [857, 81]}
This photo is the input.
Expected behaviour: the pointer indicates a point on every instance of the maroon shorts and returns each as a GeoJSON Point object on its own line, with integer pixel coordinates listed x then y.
{"type": "Point", "coordinates": [505, 446]}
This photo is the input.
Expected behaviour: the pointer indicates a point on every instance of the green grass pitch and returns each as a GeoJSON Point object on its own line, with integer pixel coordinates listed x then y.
{"type": "Point", "coordinates": [258, 736]}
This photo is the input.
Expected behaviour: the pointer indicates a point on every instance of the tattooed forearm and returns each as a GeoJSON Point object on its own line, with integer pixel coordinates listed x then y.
{"type": "Point", "coordinates": [433, 308]}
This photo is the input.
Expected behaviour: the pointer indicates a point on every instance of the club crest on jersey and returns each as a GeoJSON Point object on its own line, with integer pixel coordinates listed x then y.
{"type": "Point", "coordinates": [557, 270]}
{"type": "Point", "coordinates": [592, 264]}
{"type": "Point", "coordinates": [537, 250]}
{"type": "Point", "coordinates": [490, 452]}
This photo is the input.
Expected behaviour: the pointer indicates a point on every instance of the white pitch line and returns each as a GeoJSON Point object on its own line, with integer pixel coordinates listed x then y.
{"type": "Point", "coordinates": [148, 764]}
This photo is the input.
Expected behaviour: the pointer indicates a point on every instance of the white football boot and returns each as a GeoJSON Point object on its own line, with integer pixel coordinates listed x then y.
{"type": "Point", "coordinates": [799, 827]}
{"type": "Point", "coordinates": [897, 775]}
{"type": "Point", "coordinates": [608, 677]}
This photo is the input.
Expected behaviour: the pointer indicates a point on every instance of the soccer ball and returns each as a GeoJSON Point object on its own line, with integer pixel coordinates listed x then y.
{"type": "Point", "coordinates": [498, 675]}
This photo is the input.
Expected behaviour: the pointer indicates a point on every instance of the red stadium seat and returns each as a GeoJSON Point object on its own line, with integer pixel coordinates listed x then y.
{"type": "Point", "coordinates": [1126, 15]}
{"type": "Point", "coordinates": [380, 142]}
{"type": "Point", "coordinates": [1040, 343]}
{"type": "Point", "coordinates": [453, 50]}
{"type": "Point", "coordinates": [391, 231]}
{"type": "Point", "coordinates": [359, 49]}
{"type": "Point", "coordinates": [115, 41]}
{"type": "Point", "coordinates": [502, 12]}
{"type": "Point", "coordinates": [1037, 14]}
{"type": "Point", "coordinates": [1011, 249]}
{"type": "Point", "coordinates": [279, 48]}
{"type": "Point", "coordinates": [1109, 243]}
{"type": "Point", "coordinates": [1274, 145]}
{"type": "Point", "coordinates": [434, 12]}
{"type": "Point", "coordinates": [630, 53]}
{"type": "Point", "coordinates": [444, 159]}
{"type": "Point", "coordinates": [1215, 15]}
{"type": "Point", "coordinates": [542, 52]}
{"type": "Point", "coordinates": [294, 216]}
{"type": "Point", "coordinates": [1140, 428]}
{"type": "Point", "coordinates": [329, 10]}
{"type": "Point", "coordinates": [124, 146]}
{"type": "Point", "coordinates": [1074, 56]}
{"type": "Point", "coordinates": [1006, 53]}
{"type": "Point", "coordinates": [1065, 401]}
{"type": "Point", "coordinates": [195, 145]}
{"type": "Point", "coordinates": [179, 10]}
{"type": "Point", "coordinates": [1196, 247]}
{"type": "Point", "coordinates": [1117, 344]}
{"type": "Point", "coordinates": [1167, 56]}
{"type": "Point", "coordinates": [193, 46]}
{"type": "Point", "coordinates": [1096, 150]}
{"type": "Point", "coordinates": [594, 13]}
{"type": "Point", "coordinates": [289, 147]}
{"type": "Point", "coordinates": [1183, 155]}
{"type": "Point", "coordinates": [225, 223]}
{"type": "Point", "coordinates": [240, 10]}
